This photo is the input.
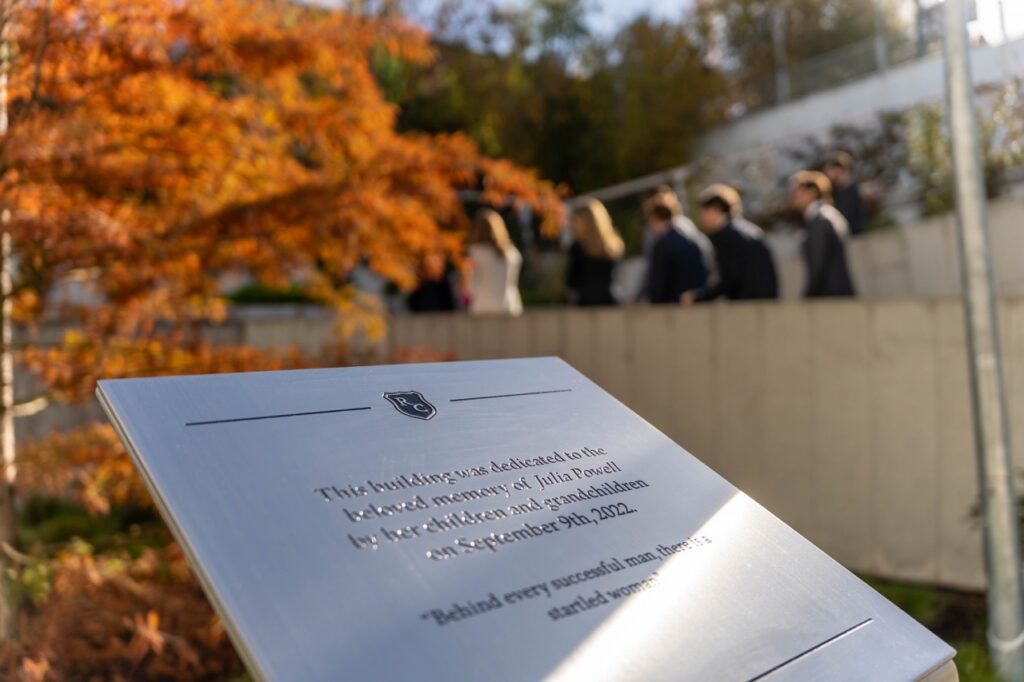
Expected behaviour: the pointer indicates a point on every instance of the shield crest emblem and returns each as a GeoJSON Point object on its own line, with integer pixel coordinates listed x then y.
{"type": "Point", "coordinates": [411, 404]}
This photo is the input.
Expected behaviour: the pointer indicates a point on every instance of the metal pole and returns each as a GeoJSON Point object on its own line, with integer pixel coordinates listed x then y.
{"type": "Point", "coordinates": [881, 40]}
{"type": "Point", "coordinates": [8, 515]}
{"type": "Point", "coordinates": [991, 430]}
{"type": "Point", "coordinates": [783, 87]}
{"type": "Point", "coordinates": [1002, 21]}
{"type": "Point", "coordinates": [919, 28]}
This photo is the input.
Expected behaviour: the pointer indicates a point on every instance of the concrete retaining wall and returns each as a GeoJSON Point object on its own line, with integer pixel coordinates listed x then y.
{"type": "Point", "coordinates": [920, 260]}
{"type": "Point", "coordinates": [849, 420]}
{"type": "Point", "coordinates": [917, 82]}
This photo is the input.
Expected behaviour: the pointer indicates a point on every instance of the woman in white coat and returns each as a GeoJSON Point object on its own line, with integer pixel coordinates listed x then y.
{"type": "Point", "coordinates": [495, 263]}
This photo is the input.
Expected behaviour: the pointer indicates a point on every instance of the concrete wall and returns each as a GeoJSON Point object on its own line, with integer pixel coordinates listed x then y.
{"type": "Point", "coordinates": [920, 260]}
{"type": "Point", "coordinates": [849, 420]}
{"type": "Point", "coordinates": [308, 328]}
{"type": "Point", "coordinates": [918, 82]}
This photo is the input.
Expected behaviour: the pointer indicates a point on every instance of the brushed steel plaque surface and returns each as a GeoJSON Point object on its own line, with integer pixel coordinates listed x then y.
{"type": "Point", "coordinates": [495, 520]}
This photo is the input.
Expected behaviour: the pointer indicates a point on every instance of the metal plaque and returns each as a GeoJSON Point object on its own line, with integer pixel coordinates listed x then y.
{"type": "Point", "coordinates": [497, 520]}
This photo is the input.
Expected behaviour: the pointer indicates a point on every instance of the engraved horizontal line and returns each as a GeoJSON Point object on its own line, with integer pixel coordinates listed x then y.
{"type": "Point", "coordinates": [275, 416]}
{"type": "Point", "coordinates": [810, 651]}
{"type": "Point", "coordinates": [509, 395]}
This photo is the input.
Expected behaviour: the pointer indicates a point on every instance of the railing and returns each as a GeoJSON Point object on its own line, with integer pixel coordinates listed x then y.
{"type": "Point", "coordinates": [844, 64]}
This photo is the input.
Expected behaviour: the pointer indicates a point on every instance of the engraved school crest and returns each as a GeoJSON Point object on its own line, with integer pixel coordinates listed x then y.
{"type": "Point", "coordinates": [411, 404]}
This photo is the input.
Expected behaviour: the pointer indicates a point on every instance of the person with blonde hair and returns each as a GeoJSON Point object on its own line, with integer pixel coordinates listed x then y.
{"type": "Point", "coordinates": [824, 248]}
{"type": "Point", "coordinates": [495, 263]}
{"type": "Point", "coordinates": [596, 249]}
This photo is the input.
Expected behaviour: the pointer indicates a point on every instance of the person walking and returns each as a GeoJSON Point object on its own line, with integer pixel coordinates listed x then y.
{"type": "Point", "coordinates": [596, 249]}
{"type": "Point", "coordinates": [746, 269]}
{"type": "Point", "coordinates": [824, 248]}
{"type": "Point", "coordinates": [846, 193]}
{"type": "Point", "coordinates": [676, 265]}
{"type": "Point", "coordinates": [667, 196]}
{"type": "Point", "coordinates": [495, 263]}
{"type": "Point", "coordinates": [435, 291]}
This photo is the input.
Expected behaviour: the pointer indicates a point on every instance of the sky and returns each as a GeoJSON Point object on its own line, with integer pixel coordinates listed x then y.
{"type": "Point", "coordinates": [610, 14]}
{"type": "Point", "coordinates": [988, 19]}
{"type": "Point", "coordinates": [614, 13]}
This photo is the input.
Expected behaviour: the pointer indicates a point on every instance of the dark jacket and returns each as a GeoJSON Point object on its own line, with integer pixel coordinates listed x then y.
{"type": "Point", "coordinates": [849, 202]}
{"type": "Point", "coordinates": [589, 278]}
{"type": "Point", "coordinates": [434, 295]}
{"type": "Point", "coordinates": [676, 266]}
{"type": "Point", "coordinates": [745, 267]}
{"type": "Point", "coordinates": [828, 273]}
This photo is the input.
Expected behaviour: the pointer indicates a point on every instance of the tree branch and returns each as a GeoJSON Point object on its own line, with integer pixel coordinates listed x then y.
{"type": "Point", "coordinates": [14, 555]}
{"type": "Point", "coordinates": [44, 42]}
{"type": "Point", "coordinates": [32, 406]}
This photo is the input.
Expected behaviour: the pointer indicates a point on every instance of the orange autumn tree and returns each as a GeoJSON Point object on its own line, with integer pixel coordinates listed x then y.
{"type": "Point", "coordinates": [153, 147]}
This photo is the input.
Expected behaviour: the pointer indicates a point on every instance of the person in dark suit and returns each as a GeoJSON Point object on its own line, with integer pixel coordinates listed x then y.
{"type": "Point", "coordinates": [435, 291]}
{"type": "Point", "coordinates": [596, 249]}
{"type": "Point", "coordinates": [746, 269]}
{"type": "Point", "coordinates": [824, 248]}
{"type": "Point", "coordinates": [676, 265]}
{"type": "Point", "coordinates": [846, 194]}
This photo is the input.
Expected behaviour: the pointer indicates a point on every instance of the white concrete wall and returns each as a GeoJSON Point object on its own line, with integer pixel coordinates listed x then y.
{"type": "Point", "coordinates": [849, 420]}
{"type": "Point", "coordinates": [899, 88]}
{"type": "Point", "coordinates": [920, 260]}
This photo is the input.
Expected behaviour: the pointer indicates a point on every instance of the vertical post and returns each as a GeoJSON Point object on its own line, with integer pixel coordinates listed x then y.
{"type": "Point", "coordinates": [922, 46]}
{"type": "Point", "coordinates": [1002, 21]}
{"type": "Point", "coordinates": [881, 43]}
{"type": "Point", "coordinates": [8, 517]}
{"type": "Point", "coordinates": [782, 84]}
{"type": "Point", "coordinates": [992, 441]}
{"type": "Point", "coordinates": [6, 279]}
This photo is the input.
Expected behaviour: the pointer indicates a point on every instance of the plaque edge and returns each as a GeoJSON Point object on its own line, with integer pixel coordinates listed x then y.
{"type": "Point", "coordinates": [250, 661]}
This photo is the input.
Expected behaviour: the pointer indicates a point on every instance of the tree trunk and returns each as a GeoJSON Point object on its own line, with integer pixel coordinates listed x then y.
{"type": "Point", "coordinates": [8, 514]}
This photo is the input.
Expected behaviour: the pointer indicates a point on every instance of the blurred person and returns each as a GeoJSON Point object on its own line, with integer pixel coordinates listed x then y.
{"type": "Point", "coordinates": [435, 291]}
{"type": "Point", "coordinates": [666, 195]}
{"type": "Point", "coordinates": [675, 265]}
{"type": "Point", "coordinates": [495, 263]}
{"type": "Point", "coordinates": [595, 250]}
{"type": "Point", "coordinates": [824, 247]}
{"type": "Point", "coordinates": [746, 269]}
{"type": "Point", "coordinates": [846, 194]}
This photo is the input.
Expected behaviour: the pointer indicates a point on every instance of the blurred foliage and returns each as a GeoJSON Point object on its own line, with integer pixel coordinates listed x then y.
{"type": "Point", "coordinates": [115, 615]}
{"type": "Point", "coordinates": [531, 81]}
{"type": "Point", "coordinates": [256, 292]}
{"type": "Point", "coordinates": [535, 84]}
{"type": "Point", "coordinates": [156, 150]}
{"type": "Point", "coordinates": [743, 30]}
{"type": "Point", "coordinates": [247, 136]}
{"type": "Point", "coordinates": [881, 152]}
{"type": "Point", "coordinates": [105, 592]}
{"type": "Point", "coordinates": [902, 156]}
{"type": "Point", "coordinates": [156, 147]}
